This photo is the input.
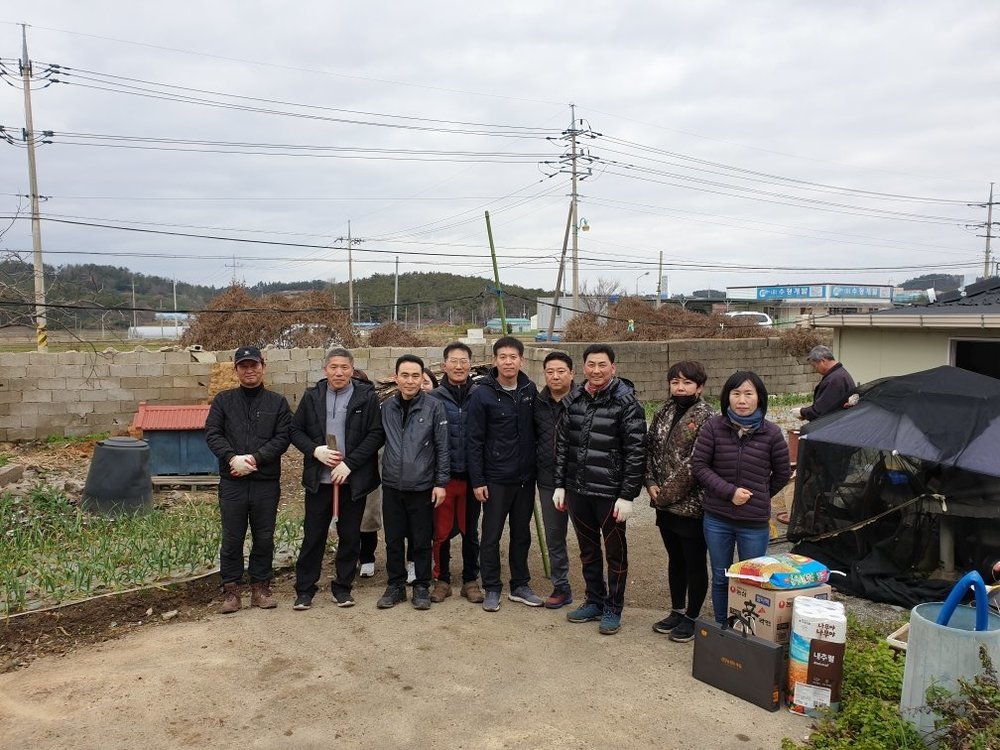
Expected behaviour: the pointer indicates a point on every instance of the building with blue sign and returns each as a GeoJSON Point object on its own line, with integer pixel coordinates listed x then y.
{"type": "Point", "coordinates": [794, 303]}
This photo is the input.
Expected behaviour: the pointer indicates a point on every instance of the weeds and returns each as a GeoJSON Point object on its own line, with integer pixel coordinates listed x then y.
{"type": "Point", "coordinates": [970, 718]}
{"type": "Point", "coordinates": [53, 552]}
{"type": "Point", "coordinates": [59, 440]}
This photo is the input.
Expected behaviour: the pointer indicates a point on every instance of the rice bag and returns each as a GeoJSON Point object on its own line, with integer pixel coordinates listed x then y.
{"type": "Point", "coordinates": [781, 571]}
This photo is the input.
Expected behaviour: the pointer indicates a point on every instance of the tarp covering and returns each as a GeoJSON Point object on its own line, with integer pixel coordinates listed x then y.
{"type": "Point", "coordinates": [876, 481]}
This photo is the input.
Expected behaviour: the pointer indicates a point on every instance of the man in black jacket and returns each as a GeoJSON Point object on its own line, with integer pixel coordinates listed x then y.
{"type": "Point", "coordinates": [834, 388]}
{"type": "Point", "coordinates": [600, 466]}
{"type": "Point", "coordinates": [501, 461]}
{"type": "Point", "coordinates": [550, 405]}
{"type": "Point", "coordinates": [338, 428]}
{"type": "Point", "coordinates": [414, 474]}
{"type": "Point", "coordinates": [247, 428]}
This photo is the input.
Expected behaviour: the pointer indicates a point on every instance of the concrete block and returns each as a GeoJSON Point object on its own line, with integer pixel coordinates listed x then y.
{"type": "Point", "coordinates": [16, 434]}
{"type": "Point", "coordinates": [66, 395]}
{"type": "Point", "coordinates": [36, 372]}
{"type": "Point", "coordinates": [8, 421]}
{"type": "Point", "coordinates": [36, 397]}
{"type": "Point", "coordinates": [150, 370]}
{"type": "Point", "coordinates": [136, 382]}
{"type": "Point", "coordinates": [127, 358]}
{"type": "Point", "coordinates": [146, 394]}
{"type": "Point", "coordinates": [124, 370]}
{"type": "Point", "coordinates": [180, 381]}
{"type": "Point", "coordinates": [176, 358]}
{"type": "Point", "coordinates": [277, 355]}
{"type": "Point", "coordinates": [11, 473]}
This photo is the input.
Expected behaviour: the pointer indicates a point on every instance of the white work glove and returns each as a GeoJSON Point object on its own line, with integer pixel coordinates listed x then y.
{"type": "Point", "coordinates": [240, 466]}
{"type": "Point", "coordinates": [340, 472]}
{"type": "Point", "coordinates": [623, 509]}
{"type": "Point", "coordinates": [559, 498]}
{"type": "Point", "coordinates": [852, 400]}
{"type": "Point", "coordinates": [795, 413]}
{"type": "Point", "coordinates": [326, 456]}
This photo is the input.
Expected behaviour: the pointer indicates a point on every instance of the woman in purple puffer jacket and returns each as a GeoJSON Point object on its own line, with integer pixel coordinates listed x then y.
{"type": "Point", "coordinates": [741, 460]}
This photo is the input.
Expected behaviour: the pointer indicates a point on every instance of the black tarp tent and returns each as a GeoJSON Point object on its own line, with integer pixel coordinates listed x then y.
{"type": "Point", "coordinates": [910, 475]}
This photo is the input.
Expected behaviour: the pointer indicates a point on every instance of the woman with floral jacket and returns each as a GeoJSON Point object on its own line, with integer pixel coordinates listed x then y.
{"type": "Point", "coordinates": [676, 496]}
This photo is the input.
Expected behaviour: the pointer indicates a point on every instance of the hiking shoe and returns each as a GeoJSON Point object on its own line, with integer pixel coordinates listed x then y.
{"type": "Point", "coordinates": [343, 598]}
{"type": "Point", "coordinates": [668, 623]}
{"type": "Point", "coordinates": [367, 570]}
{"type": "Point", "coordinates": [421, 598]}
{"type": "Point", "coordinates": [261, 596]}
{"type": "Point", "coordinates": [558, 598]}
{"type": "Point", "coordinates": [230, 599]}
{"type": "Point", "coordinates": [472, 592]}
{"type": "Point", "coordinates": [411, 572]}
{"type": "Point", "coordinates": [491, 602]}
{"type": "Point", "coordinates": [684, 632]}
{"type": "Point", "coordinates": [440, 591]}
{"type": "Point", "coordinates": [393, 595]}
{"type": "Point", "coordinates": [611, 622]}
{"type": "Point", "coordinates": [303, 601]}
{"type": "Point", "coordinates": [587, 613]}
{"type": "Point", "coordinates": [525, 595]}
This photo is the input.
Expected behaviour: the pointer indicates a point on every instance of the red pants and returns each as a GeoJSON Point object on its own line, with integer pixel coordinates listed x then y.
{"type": "Point", "coordinates": [447, 516]}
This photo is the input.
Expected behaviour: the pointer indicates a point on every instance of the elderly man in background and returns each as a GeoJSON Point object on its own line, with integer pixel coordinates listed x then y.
{"type": "Point", "coordinates": [247, 428]}
{"type": "Point", "coordinates": [832, 391]}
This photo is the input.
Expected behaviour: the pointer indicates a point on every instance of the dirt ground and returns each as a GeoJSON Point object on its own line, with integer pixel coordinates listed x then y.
{"type": "Point", "coordinates": [114, 672]}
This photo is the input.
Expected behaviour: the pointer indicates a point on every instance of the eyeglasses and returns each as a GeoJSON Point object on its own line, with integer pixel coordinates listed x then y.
{"type": "Point", "coordinates": [451, 361]}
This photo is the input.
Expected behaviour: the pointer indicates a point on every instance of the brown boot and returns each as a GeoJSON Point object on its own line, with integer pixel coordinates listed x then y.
{"type": "Point", "coordinates": [440, 591]}
{"type": "Point", "coordinates": [261, 596]}
{"type": "Point", "coordinates": [231, 598]}
{"type": "Point", "coordinates": [472, 592]}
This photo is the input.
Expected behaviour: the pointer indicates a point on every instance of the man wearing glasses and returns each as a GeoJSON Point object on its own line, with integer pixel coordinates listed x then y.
{"type": "Point", "coordinates": [460, 508]}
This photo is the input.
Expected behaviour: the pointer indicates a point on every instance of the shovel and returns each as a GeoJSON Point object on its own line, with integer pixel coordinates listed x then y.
{"type": "Point", "coordinates": [331, 443]}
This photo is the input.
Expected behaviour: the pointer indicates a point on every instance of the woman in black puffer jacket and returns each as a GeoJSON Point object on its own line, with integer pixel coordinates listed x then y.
{"type": "Point", "coordinates": [741, 460]}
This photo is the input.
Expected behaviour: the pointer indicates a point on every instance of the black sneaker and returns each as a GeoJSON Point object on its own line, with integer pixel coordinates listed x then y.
{"type": "Point", "coordinates": [343, 598]}
{"type": "Point", "coordinates": [667, 624]}
{"type": "Point", "coordinates": [684, 632]}
{"type": "Point", "coordinates": [391, 597]}
{"type": "Point", "coordinates": [303, 601]}
{"type": "Point", "coordinates": [421, 597]}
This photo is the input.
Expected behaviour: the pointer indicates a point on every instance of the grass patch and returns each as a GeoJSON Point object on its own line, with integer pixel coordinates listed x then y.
{"type": "Point", "coordinates": [59, 440]}
{"type": "Point", "coordinates": [54, 552]}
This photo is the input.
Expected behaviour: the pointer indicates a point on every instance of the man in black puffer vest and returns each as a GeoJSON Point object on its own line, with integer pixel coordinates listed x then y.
{"type": "Point", "coordinates": [600, 466]}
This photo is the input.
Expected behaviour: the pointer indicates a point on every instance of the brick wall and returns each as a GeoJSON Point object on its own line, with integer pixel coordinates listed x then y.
{"type": "Point", "coordinates": [81, 393]}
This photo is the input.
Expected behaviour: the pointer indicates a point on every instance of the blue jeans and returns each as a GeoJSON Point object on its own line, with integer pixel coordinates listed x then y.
{"type": "Point", "coordinates": [722, 538]}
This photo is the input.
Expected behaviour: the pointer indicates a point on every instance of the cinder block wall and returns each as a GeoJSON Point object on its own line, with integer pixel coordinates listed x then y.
{"type": "Point", "coordinates": [81, 393]}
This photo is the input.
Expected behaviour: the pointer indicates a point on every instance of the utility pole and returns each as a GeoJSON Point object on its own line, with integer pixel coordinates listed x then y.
{"type": "Point", "coordinates": [659, 282]}
{"type": "Point", "coordinates": [234, 266]}
{"type": "Point", "coordinates": [576, 219]}
{"type": "Point", "coordinates": [395, 298]}
{"type": "Point", "coordinates": [41, 325]}
{"type": "Point", "coordinates": [989, 234]}
{"type": "Point", "coordinates": [135, 324]}
{"type": "Point", "coordinates": [350, 269]}
{"type": "Point", "coordinates": [176, 334]}
{"type": "Point", "coordinates": [559, 275]}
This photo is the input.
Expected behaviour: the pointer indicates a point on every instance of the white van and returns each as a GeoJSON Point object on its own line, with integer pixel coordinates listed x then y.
{"type": "Point", "coordinates": [761, 319]}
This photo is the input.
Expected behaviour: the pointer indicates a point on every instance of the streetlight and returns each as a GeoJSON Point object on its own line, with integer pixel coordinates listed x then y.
{"type": "Point", "coordinates": [637, 281]}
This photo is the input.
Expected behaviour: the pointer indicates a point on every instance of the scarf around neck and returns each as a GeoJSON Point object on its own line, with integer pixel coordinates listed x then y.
{"type": "Point", "coordinates": [749, 422]}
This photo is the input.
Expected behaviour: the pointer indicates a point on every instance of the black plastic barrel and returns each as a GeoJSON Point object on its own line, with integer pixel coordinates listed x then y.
{"type": "Point", "coordinates": [118, 481]}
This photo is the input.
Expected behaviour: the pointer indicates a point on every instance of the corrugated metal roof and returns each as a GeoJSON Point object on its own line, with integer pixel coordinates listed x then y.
{"type": "Point", "coordinates": [170, 417]}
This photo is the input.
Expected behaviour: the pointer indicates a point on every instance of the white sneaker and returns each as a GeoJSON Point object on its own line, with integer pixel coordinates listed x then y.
{"type": "Point", "coordinates": [367, 570]}
{"type": "Point", "coordinates": [411, 572]}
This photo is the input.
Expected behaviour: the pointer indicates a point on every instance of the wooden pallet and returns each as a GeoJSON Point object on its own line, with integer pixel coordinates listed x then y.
{"type": "Point", "coordinates": [191, 480]}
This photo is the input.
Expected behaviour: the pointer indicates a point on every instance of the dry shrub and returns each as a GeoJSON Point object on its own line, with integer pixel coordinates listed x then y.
{"type": "Point", "coordinates": [236, 318]}
{"type": "Point", "coordinates": [669, 322]}
{"type": "Point", "coordinates": [393, 334]}
{"type": "Point", "coordinates": [798, 342]}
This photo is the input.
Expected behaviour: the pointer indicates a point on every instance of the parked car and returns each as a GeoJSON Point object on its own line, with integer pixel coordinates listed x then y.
{"type": "Point", "coordinates": [761, 319]}
{"type": "Point", "coordinates": [544, 336]}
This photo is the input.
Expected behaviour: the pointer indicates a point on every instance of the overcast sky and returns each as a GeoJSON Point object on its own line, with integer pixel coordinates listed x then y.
{"type": "Point", "coordinates": [751, 143]}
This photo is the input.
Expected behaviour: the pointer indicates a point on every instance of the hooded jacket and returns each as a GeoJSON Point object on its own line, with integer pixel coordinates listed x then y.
{"type": "Point", "coordinates": [363, 435]}
{"type": "Point", "coordinates": [501, 432]}
{"type": "Point", "coordinates": [601, 448]}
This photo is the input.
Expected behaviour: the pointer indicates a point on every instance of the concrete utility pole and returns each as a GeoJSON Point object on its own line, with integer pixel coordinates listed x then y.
{"type": "Point", "coordinates": [576, 218]}
{"type": "Point", "coordinates": [350, 270]}
{"type": "Point", "coordinates": [41, 325]}
{"type": "Point", "coordinates": [395, 298]}
{"type": "Point", "coordinates": [989, 234]}
{"type": "Point", "coordinates": [659, 282]}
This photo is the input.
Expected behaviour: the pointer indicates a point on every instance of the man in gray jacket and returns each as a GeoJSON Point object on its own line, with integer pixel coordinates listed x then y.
{"type": "Point", "coordinates": [415, 471]}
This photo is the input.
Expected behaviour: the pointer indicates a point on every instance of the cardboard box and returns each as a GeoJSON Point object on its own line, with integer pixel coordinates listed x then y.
{"type": "Point", "coordinates": [769, 611]}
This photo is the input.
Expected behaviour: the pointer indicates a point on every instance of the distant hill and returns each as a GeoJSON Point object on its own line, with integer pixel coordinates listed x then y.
{"type": "Point", "coordinates": [92, 292]}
